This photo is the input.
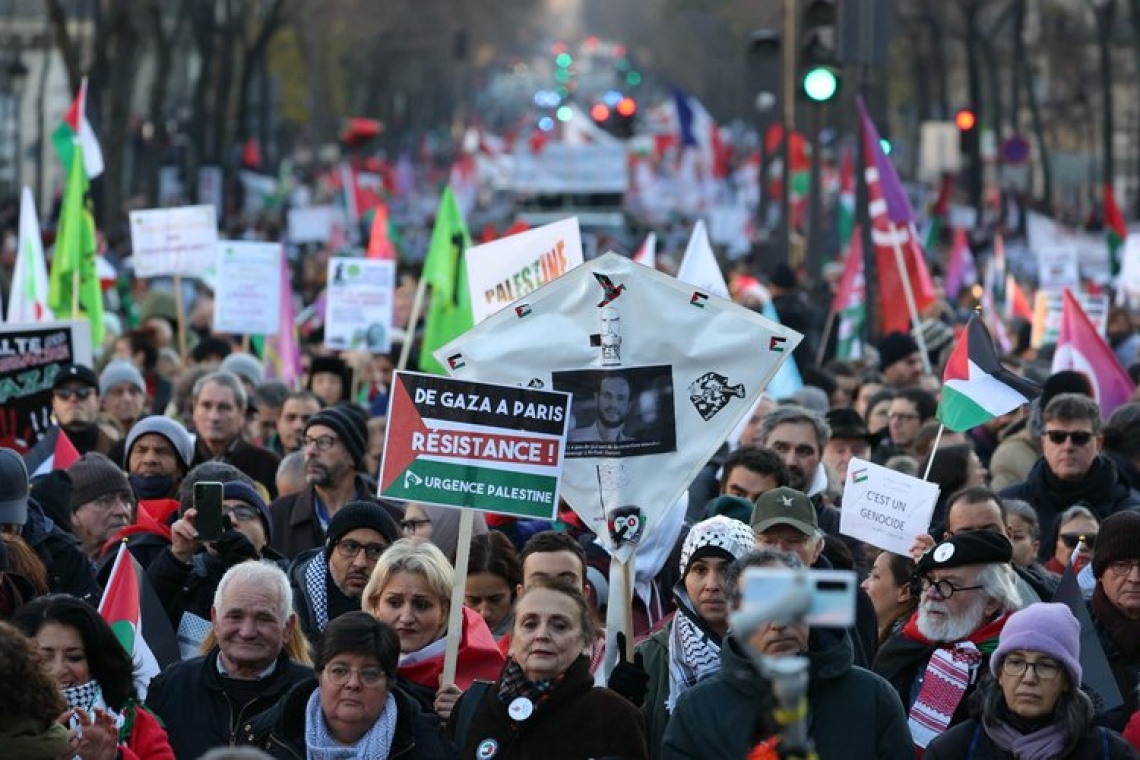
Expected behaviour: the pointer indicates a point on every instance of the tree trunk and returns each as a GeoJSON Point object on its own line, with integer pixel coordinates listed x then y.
{"type": "Point", "coordinates": [65, 43]}
{"type": "Point", "coordinates": [1134, 6]}
{"type": "Point", "coordinates": [1017, 66]}
{"type": "Point", "coordinates": [1105, 15]}
{"type": "Point", "coordinates": [205, 27]}
{"type": "Point", "coordinates": [1038, 124]}
{"type": "Point", "coordinates": [147, 176]}
{"type": "Point", "coordinates": [220, 144]}
{"type": "Point", "coordinates": [122, 69]}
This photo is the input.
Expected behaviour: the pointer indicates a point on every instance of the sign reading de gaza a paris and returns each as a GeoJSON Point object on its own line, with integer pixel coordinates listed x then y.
{"type": "Point", "coordinates": [458, 443]}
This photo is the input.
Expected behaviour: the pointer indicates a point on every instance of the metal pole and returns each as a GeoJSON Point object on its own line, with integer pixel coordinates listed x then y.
{"type": "Point", "coordinates": [788, 48]}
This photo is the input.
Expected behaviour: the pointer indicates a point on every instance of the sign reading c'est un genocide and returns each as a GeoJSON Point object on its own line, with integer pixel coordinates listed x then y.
{"type": "Point", "coordinates": [464, 444]}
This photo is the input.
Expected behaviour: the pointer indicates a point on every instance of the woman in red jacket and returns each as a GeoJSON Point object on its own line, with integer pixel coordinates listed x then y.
{"type": "Point", "coordinates": [96, 677]}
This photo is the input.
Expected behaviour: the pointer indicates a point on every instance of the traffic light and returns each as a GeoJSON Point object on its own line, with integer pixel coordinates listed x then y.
{"type": "Point", "coordinates": [820, 79]}
{"type": "Point", "coordinates": [967, 122]}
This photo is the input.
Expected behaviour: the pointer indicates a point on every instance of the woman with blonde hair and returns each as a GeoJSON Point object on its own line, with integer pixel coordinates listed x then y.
{"type": "Point", "coordinates": [410, 590]}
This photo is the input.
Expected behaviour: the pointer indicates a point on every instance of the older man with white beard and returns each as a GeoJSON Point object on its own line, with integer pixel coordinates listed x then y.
{"type": "Point", "coordinates": [969, 590]}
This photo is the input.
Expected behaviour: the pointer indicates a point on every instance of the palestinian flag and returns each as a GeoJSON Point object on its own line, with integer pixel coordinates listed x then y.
{"type": "Point", "coordinates": [976, 387]}
{"type": "Point", "coordinates": [53, 451]}
{"type": "Point", "coordinates": [121, 607]}
{"type": "Point", "coordinates": [1114, 228]}
{"type": "Point", "coordinates": [75, 130]}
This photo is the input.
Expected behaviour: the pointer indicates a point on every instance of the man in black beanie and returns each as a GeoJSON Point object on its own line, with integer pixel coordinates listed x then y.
{"type": "Point", "coordinates": [1115, 607]}
{"type": "Point", "coordinates": [334, 443]}
{"type": "Point", "coordinates": [900, 361]}
{"type": "Point", "coordinates": [329, 581]}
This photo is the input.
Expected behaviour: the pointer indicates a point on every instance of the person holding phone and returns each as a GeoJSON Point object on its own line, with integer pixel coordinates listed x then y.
{"type": "Point", "coordinates": [854, 713]}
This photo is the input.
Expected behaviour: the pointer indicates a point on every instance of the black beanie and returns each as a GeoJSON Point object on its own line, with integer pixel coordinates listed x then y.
{"type": "Point", "coordinates": [1118, 538]}
{"type": "Point", "coordinates": [1064, 381]}
{"type": "Point", "coordinates": [895, 347]}
{"type": "Point", "coordinates": [351, 428]}
{"type": "Point", "coordinates": [360, 514]}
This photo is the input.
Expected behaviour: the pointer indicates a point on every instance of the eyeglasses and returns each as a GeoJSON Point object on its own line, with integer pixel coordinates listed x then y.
{"type": "Point", "coordinates": [1015, 667]}
{"type": "Point", "coordinates": [1072, 539]}
{"type": "Point", "coordinates": [944, 589]}
{"type": "Point", "coordinates": [792, 540]}
{"type": "Point", "coordinates": [66, 394]}
{"type": "Point", "coordinates": [905, 417]}
{"type": "Point", "coordinates": [242, 514]}
{"type": "Point", "coordinates": [413, 526]}
{"type": "Point", "coordinates": [1123, 567]}
{"type": "Point", "coordinates": [338, 675]}
{"type": "Point", "coordinates": [803, 451]}
{"type": "Point", "coordinates": [323, 443]}
{"type": "Point", "coordinates": [1080, 437]}
{"type": "Point", "coordinates": [349, 549]}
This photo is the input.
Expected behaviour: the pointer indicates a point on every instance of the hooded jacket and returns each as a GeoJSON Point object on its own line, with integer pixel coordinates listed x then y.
{"type": "Point", "coordinates": [854, 714]}
{"type": "Point", "coordinates": [68, 568]}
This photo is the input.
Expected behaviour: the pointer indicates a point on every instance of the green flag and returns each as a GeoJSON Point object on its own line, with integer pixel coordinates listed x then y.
{"type": "Point", "coordinates": [445, 272]}
{"type": "Point", "coordinates": [74, 261]}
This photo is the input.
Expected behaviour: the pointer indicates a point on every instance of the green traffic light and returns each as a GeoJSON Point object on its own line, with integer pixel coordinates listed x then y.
{"type": "Point", "coordinates": [633, 79]}
{"type": "Point", "coordinates": [564, 113]}
{"type": "Point", "coordinates": [564, 60]}
{"type": "Point", "coordinates": [885, 144]}
{"type": "Point", "coordinates": [821, 84]}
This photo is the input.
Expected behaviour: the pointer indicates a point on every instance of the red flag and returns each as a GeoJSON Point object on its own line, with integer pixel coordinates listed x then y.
{"type": "Point", "coordinates": [851, 288]}
{"type": "Point", "coordinates": [1081, 348]}
{"type": "Point", "coordinates": [1114, 228]}
{"type": "Point", "coordinates": [892, 223]}
{"type": "Point", "coordinates": [65, 452]}
{"type": "Point", "coordinates": [379, 244]}
{"type": "Point", "coordinates": [251, 154]}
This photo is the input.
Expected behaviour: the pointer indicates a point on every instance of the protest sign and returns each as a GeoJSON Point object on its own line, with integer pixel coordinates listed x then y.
{"type": "Point", "coordinates": [660, 372]}
{"type": "Point", "coordinates": [885, 508]}
{"type": "Point", "coordinates": [243, 304]}
{"type": "Point", "coordinates": [168, 241]}
{"type": "Point", "coordinates": [458, 443]}
{"type": "Point", "coordinates": [1057, 269]}
{"type": "Point", "coordinates": [31, 356]}
{"type": "Point", "coordinates": [1047, 310]}
{"type": "Point", "coordinates": [501, 272]}
{"type": "Point", "coordinates": [313, 224]}
{"type": "Point", "coordinates": [358, 314]}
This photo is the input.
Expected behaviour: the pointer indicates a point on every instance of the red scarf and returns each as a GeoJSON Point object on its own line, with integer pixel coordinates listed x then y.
{"type": "Point", "coordinates": [985, 638]}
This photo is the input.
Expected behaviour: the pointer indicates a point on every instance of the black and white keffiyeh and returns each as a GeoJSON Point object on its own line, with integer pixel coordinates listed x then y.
{"type": "Point", "coordinates": [694, 654]}
{"type": "Point", "coordinates": [316, 583]}
{"type": "Point", "coordinates": [85, 696]}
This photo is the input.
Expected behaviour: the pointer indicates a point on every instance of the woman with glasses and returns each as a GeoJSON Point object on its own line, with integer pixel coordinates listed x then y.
{"type": "Point", "coordinates": [354, 708]}
{"type": "Point", "coordinates": [410, 590]}
{"type": "Point", "coordinates": [440, 525]}
{"type": "Point", "coordinates": [1076, 535]}
{"type": "Point", "coordinates": [96, 678]}
{"type": "Point", "coordinates": [1033, 707]}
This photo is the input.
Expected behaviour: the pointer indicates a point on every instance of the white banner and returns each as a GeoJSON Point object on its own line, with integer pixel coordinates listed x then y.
{"type": "Point", "coordinates": [501, 272]}
{"type": "Point", "coordinates": [313, 224]}
{"type": "Point", "coordinates": [359, 310]}
{"type": "Point", "coordinates": [660, 373]}
{"type": "Point", "coordinates": [1048, 308]}
{"type": "Point", "coordinates": [245, 303]}
{"type": "Point", "coordinates": [1089, 249]}
{"type": "Point", "coordinates": [168, 241]}
{"type": "Point", "coordinates": [885, 508]}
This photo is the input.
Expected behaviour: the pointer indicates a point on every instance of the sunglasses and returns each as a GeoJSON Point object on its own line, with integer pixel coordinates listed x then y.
{"type": "Point", "coordinates": [1072, 539]}
{"type": "Point", "coordinates": [65, 394]}
{"type": "Point", "coordinates": [1080, 437]}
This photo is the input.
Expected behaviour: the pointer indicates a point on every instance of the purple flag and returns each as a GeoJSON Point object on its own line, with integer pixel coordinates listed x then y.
{"type": "Point", "coordinates": [282, 354]}
{"type": "Point", "coordinates": [898, 206]}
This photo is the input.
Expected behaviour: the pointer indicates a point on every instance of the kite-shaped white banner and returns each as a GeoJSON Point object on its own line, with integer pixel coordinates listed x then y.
{"type": "Point", "coordinates": [660, 373]}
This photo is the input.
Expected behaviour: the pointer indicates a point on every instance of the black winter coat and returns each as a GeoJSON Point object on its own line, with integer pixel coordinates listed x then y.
{"type": "Point", "coordinates": [1104, 489]}
{"type": "Point", "coordinates": [576, 721]}
{"type": "Point", "coordinates": [197, 713]}
{"type": "Point", "coordinates": [969, 741]}
{"type": "Point", "coordinates": [280, 731]}
{"type": "Point", "coordinates": [69, 570]}
{"type": "Point", "coordinates": [295, 525]}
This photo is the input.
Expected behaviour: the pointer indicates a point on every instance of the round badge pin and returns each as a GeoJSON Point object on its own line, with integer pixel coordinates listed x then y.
{"type": "Point", "coordinates": [520, 709]}
{"type": "Point", "coordinates": [487, 748]}
{"type": "Point", "coordinates": [944, 552]}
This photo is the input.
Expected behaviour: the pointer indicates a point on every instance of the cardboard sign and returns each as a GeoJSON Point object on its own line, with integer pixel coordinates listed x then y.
{"type": "Point", "coordinates": [885, 508]}
{"type": "Point", "coordinates": [168, 241]}
{"type": "Point", "coordinates": [1057, 269]}
{"type": "Point", "coordinates": [1047, 310]}
{"type": "Point", "coordinates": [457, 443]}
{"type": "Point", "coordinates": [31, 356]}
{"type": "Point", "coordinates": [501, 272]}
{"type": "Point", "coordinates": [244, 301]}
{"type": "Point", "coordinates": [660, 372]}
{"type": "Point", "coordinates": [359, 310]}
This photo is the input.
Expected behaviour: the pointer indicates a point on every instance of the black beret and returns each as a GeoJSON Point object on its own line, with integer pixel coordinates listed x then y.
{"type": "Point", "coordinates": [974, 547]}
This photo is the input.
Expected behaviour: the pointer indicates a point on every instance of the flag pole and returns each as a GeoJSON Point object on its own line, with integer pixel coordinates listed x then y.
{"type": "Point", "coordinates": [413, 317]}
{"type": "Point", "coordinates": [181, 317]}
{"type": "Point", "coordinates": [458, 594]}
{"type": "Point", "coordinates": [830, 323]}
{"type": "Point", "coordinates": [933, 452]}
{"type": "Point", "coordinates": [900, 262]}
